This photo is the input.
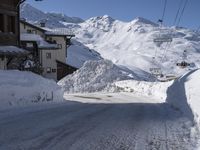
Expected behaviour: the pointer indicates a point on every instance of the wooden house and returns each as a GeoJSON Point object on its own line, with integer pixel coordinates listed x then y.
{"type": "Point", "coordinates": [9, 34]}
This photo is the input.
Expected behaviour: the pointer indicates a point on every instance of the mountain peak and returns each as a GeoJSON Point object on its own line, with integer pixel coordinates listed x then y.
{"type": "Point", "coordinates": [35, 15]}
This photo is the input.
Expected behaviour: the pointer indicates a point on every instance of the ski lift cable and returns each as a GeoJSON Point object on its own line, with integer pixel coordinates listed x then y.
{"type": "Point", "coordinates": [175, 21]}
{"type": "Point", "coordinates": [184, 56]}
{"type": "Point", "coordinates": [178, 11]}
{"type": "Point", "coordinates": [164, 9]}
{"type": "Point", "coordinates": [161, 21]}
{"type": "Point", "coordinates": [182, 12]}
{"type": "Point", "coordinates": [198, 29]}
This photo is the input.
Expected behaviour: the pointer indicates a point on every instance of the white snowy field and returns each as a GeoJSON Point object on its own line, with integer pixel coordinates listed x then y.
{"type": "Point", "coordinates": [25, 88]}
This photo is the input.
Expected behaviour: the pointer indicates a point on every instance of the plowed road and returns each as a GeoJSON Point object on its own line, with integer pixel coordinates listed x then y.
{"type": "Point", "coordinates": [137, 124]}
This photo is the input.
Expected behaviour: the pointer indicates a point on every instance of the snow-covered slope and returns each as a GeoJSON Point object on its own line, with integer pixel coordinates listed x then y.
{"type": "Point", "coordinates": [51, 19]}
{"type": "Point", "coordinates": [25, 88]}
{"type": "Point", "coordinates": [131, 44]}
{"type": "Point", "coordinates": [78, 54]}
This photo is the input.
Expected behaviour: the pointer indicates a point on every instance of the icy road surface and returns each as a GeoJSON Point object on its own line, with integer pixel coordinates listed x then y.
{"type": "Point", "coordinates": [102, 122]}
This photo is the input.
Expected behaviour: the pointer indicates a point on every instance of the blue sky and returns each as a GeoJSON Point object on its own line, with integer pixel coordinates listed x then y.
{"type": "Point", "coordinates": [125, 10]}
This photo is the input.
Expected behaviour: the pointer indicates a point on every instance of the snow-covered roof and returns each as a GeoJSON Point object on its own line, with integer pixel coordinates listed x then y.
{"type": "Point", "coordinates": [49, 31]}
{"type": "Point", "coordinates": [42, 44]}
{"type": "Point", "coordinates": [59, 32]}
{"type": "Point", "coordinates": [12, 50]}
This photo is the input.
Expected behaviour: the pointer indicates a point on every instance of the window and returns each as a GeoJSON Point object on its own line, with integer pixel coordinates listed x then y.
{"type": "Point", "coordinates": [49, 70]}
{"type": "Point", "coordinates": [48, 55]}
{"type": "Point", "coordinates": [60, 46]}
{"type": "Point", "coordinates": [29, 45]}
{"type": "Point", "coordinates": [29, 31]}
{"type": "Point", "coordinates": [34, 31]}
{"type": "Point", "coordinates": [11, 24]}
{"type": "Point", "coordinates": [53, 70]}
{"type": "Point", "coordinates": [1, 23]}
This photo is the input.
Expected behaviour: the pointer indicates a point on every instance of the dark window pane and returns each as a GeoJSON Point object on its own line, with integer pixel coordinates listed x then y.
{"type": "Point", "coordinates": [1, 23]}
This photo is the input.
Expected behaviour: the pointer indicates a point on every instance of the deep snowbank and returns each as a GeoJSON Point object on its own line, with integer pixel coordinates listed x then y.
{"type": "Point", "coordinates": [184, 94]}
{"type": "Point", "coordinates": [96, 76]}
{"type": "Point", "coordinates": [25, 88]}
{"type": "Point", "coordinates": [156, 90]}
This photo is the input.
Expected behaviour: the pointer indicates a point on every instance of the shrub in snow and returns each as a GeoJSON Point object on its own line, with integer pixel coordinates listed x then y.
{"type": "Point", "coordinates": [24, 88]}
{"type": "Point", "coordinates": [95, 76]}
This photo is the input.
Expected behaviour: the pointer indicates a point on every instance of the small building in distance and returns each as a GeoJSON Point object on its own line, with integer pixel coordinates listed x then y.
{"type": "Point", "coordinates": [10, 51]}
{"type": "Point", "coordinates": [48, 50]}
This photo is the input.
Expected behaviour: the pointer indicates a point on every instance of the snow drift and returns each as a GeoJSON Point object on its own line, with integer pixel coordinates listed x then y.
{"type": "Point", "coordinates": [96, 76]}
{"type": "Point", "coordinates": [184, 94]}
{"type": "Point", "coordinates": [156, 90]}
{"type": "Point", "coordinates": [25, 88]}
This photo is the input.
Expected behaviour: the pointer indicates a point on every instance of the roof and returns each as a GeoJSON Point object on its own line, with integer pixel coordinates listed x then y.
{"type": "Point", "coordinates": [60, 32]}
{"type": "Point", "coordinates": [51, 32]}
{"type": "Point", "coordinates": [12, 50]}
{"type": "Point", "coordinates": [42, 44]}
{"type": "Point", "coordinates": [67, 65]}
{"type": "Point", "coordinates": [33, 26]}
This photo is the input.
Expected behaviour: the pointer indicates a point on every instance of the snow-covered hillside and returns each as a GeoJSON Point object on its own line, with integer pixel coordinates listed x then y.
{"type": "Point", "coordinates": [131, 44]}
{"type": "Point", "coordinates": [51, 19]}
{"type": "Point", "coordinates": [78, 54]}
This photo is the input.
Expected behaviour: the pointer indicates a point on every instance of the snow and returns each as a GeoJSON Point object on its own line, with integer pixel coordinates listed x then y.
{"type": "Point", "coordinates": [136, 124]}
{"type": "Point", "coordinates": [58, 31]}
{"type": "Point", "coordinates": [131, 43]}
{"type": "Point", "coordinates": [156, 90]}
{"type": "Point", "coordinates": [97, 76]}
{"type": "Point", "coordinates": [78, 54]}
{"type": "Point", "coordinates": [37, 38]}
{"type": "Point", "coordinates": [184, 95]}
{"type": "Point", "coordinates": [36, 16]}
{"type": "Point", "coordinates": [11, 49]}
{"type": "Point", "coordinates": [25, 88]}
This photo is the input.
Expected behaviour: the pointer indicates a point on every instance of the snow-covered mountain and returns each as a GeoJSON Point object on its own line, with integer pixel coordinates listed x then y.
{"type": "Point", "coordinates": [131, 44]}
{"type": "Point", "coordinates": [51, 19]}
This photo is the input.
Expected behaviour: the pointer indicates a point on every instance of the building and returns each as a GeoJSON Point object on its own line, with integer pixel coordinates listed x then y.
{"type": "Point", "coordinates": [10, 53]}
{"type": "Point", "coordinates": [48, 50]}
